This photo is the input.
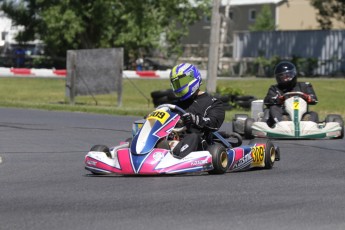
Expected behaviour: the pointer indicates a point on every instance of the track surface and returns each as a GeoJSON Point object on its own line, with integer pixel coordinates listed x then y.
{"type": "Point", "coordinates": [43, 184]}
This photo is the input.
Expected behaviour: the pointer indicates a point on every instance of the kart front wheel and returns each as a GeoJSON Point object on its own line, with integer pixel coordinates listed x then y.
{"type": "Point", "coordinates": [105, 150]}
{"type": "Point", "coordinates": [220, 159]}
{"type": "Point", "coordinates": [339, 119]}
{"type": "Point", "coordinates": [101, 148]}
{"type": "Point", "coordinates": [270, 152]}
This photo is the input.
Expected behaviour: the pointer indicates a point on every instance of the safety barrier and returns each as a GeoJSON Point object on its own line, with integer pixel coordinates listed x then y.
{"type": "Point", "coordinates": [57, 73]}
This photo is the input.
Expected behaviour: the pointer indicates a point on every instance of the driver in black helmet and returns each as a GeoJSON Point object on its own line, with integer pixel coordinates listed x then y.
{"type": "Point", "coordinates": [286, 76]}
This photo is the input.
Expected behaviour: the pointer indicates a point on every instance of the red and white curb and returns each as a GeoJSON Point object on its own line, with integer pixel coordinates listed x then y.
{"type": "Point", "coordinates": [57, 73]}
{"type": "Point", "coordinates": [25, 72]}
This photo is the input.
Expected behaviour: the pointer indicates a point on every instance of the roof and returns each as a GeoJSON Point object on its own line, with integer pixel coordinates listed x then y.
{"type": "Point", "coordinates": [250, 2]}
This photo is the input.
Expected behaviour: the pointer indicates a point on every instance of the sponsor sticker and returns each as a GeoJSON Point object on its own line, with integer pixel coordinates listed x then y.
{"type": "Point", "coordinates": [198, 162]}
{"type": "Point", "coordinates": [243, 162]}
{"type": "Point", "coordinates": [92, 163]}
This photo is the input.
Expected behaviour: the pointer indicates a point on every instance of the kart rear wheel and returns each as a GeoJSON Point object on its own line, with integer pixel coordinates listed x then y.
{"type": "Point", "coordinates": [220, 159]}
{"type": "Point", "coordinates": [270, 152]}
{"type": "Point", "coordinates": [101, 148]}
{"type": "Point", "coordinates": [341, 122]}
{"type": "Point", "coordinates": [339, 119]}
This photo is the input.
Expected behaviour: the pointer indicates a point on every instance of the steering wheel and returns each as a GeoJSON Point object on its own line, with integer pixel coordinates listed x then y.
{"type": "Point", "coordinates": [172, 107]}
{"type": "Point", "coordinates": [179, 110]}
{"type": "Point", "coordinates": [292, 94]}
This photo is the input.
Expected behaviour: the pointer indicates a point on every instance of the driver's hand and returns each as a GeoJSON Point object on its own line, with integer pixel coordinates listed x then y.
{"type": "Point", "coordinates": [189, 118]}
{"type": "Point", "coordinates": [308, 98]}
{"type": "Point", "coordinates": [279, 99]}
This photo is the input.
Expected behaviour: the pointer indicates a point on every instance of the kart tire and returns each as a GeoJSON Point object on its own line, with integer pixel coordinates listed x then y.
{"type": "Point", "coordinates": [101, 148]}
{"type": "Point", "coordinates": [339, 119]}
{"type": "Point", "coordinates": [220, 158]}
{"type": "Point", "coordinates": [172, 96]}
{"type": "Point", "coordinates": [223, 98]}
{"type": "Point", "coordinates": [314, 116]}
{"type": "Point", "coordinates": [311, 116]}
{"type": "Point", "coordinates": [163, 144]}
{"type": "Point", "coordinates": [248, 128]}
{"type": "Point", "coordinates": [244, 104]}
{"type": "Point", "coordinates": [270, 152]}
{"type": "Point", "coordinates": [227, 106]}
{"type": "Point", "coordinates": [244, 98]}
{"type": "Point", "coordinates": [161, 100]}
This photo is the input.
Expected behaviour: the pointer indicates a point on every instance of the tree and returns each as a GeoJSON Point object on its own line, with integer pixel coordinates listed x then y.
{"type": "Point", "coordinates": [264, 21]}
{"type": "Point", "coordinates": [86, 24]}
{"type": "Point", "coordinates": [328, 10]}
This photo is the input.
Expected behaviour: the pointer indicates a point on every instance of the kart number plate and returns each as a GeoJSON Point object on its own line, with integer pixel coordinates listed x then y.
{"type": "Point", "coordinates": [159, 115]}
{"type": "Point", "coordinates": [258, 155]}
{"type": "Point", "coordinates": [296, 105]}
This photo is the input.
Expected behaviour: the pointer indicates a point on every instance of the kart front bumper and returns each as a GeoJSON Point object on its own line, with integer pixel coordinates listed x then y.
{"type": "Point", "coordinates": [299, 130]}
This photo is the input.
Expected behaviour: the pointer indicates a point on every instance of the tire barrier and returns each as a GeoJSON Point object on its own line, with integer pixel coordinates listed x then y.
{"type": "Point", "coordinates": [229, 101]}
{"type": "Point", "coordinates": [244, 101]}
{"type": "Point", "coordinates": [163, 97]}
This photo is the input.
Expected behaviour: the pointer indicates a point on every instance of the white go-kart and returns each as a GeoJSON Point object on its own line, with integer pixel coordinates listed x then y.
{"type": "Point", "coordinates": [297, 126]}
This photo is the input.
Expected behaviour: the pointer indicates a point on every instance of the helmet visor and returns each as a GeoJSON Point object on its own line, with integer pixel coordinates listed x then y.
{"type": "Point", "coordinates": [285, 77]}
{"type": "Point", "coordinates": [180, 81]}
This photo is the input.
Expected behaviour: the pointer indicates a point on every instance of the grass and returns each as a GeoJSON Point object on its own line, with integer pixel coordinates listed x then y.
{"type": "Point", "coordinates": [49, 94]}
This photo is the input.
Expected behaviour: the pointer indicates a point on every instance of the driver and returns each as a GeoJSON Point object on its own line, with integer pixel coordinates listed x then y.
{"type": "Point", "coordinates": [205, 114]}
{"type": "Point", "coordinates": [286, 77]}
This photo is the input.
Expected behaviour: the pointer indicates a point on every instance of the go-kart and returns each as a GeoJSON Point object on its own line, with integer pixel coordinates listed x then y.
{"type": "Point", "coordinates": [296, 126]}
{"type": "Point", "coordinates": [149, 150]}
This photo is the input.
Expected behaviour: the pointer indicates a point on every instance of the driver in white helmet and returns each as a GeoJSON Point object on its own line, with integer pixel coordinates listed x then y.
{"type": "Point", "coordinates": [205, 114]}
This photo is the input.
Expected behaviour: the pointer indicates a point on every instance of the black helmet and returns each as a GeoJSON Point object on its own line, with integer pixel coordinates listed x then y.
{"type": "Point", "coordinates": [285, 74]}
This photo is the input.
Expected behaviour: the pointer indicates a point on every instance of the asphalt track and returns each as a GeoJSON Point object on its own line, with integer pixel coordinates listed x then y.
{"type": "Point", "coordinates": [43, 184]}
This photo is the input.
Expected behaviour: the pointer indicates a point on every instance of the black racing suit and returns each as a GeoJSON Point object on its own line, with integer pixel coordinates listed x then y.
{"type": "Point", "coordinates": [211, 113]}
{"type": "Point", "coordinates": [275, 104]}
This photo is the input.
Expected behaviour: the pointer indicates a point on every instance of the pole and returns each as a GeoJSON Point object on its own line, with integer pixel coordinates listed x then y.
{"type": "Point", "coordinates": [224, 32]}
{"type": "Point", "coordinates": [212, 68]}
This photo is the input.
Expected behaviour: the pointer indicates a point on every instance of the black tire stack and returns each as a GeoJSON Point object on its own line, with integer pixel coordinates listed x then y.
{"type": "Point", "coordinates": [163, 97]}
{"type": "Point", "coordinates": [168, 97]}
{"type": "Point", "coordinates": [243, 101]}
{"type": "Point", "coordinates": [226, 99]}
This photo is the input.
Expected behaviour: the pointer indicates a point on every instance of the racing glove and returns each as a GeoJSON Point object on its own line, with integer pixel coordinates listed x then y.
{"type": "Point", "coordinates": [308, 98]}
{"type": "Point", "coordinates": [278, 99]}
{"type": "Point", "coordinates": [189, 119]}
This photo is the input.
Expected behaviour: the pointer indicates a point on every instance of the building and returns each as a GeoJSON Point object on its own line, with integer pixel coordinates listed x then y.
{"type": "Point", "coordinates": [287, 15]}
{"type": "Point", "coordinates": [293, 19]}
{"type": "Point", "coordinates": [7, 31]}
